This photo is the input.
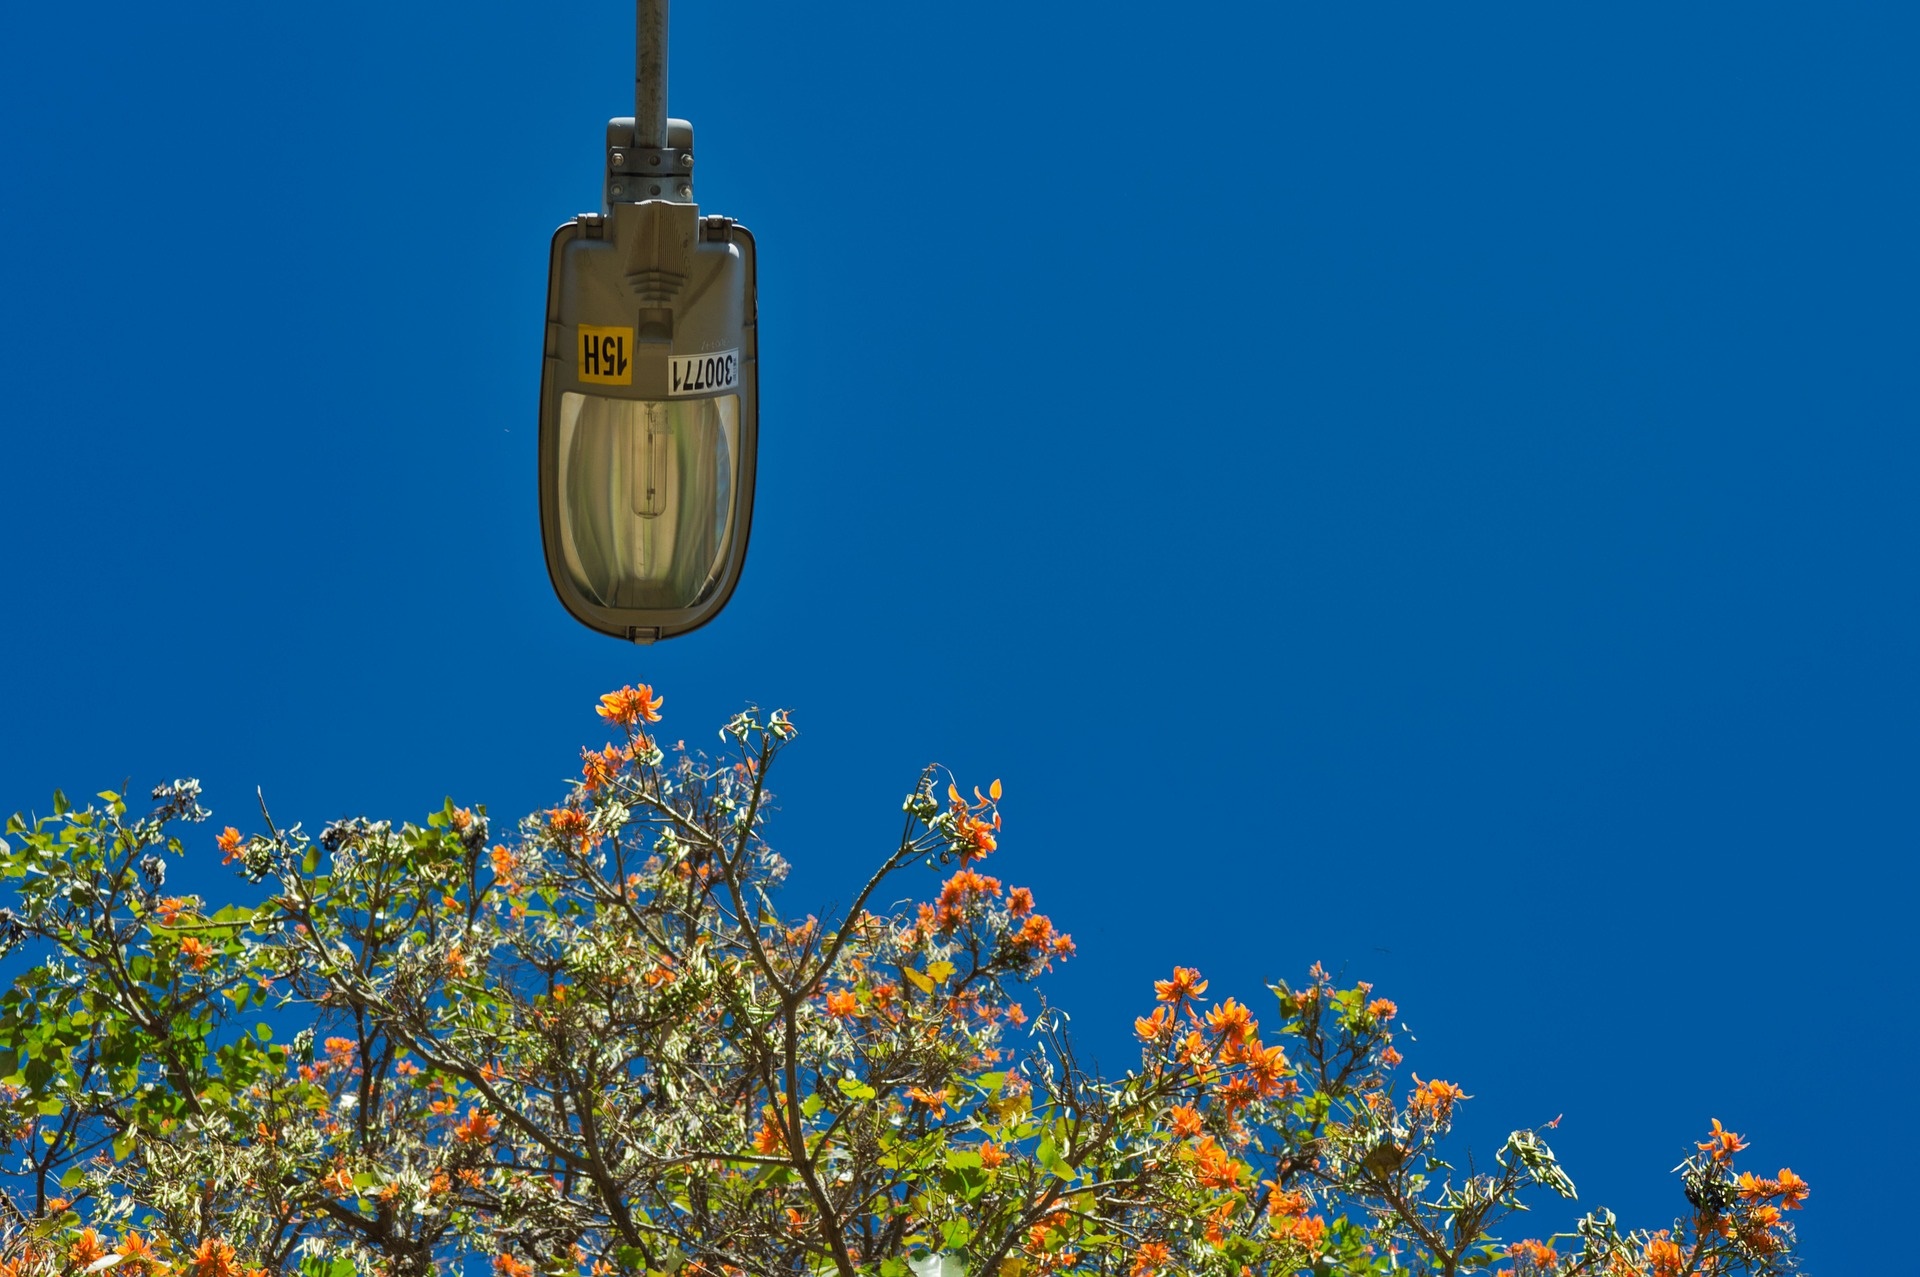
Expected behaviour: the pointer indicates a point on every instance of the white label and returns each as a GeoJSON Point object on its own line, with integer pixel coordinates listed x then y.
{"type": "Point", "coordinates": [703, 374]}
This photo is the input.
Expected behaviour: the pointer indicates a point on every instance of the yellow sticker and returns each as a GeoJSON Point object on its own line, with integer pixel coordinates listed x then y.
{"type": "Point", "coordinates": [606, 355]}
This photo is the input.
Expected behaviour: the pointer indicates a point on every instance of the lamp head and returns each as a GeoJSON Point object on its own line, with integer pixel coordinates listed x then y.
{"type": "Point", "coordinates": [649, 399]}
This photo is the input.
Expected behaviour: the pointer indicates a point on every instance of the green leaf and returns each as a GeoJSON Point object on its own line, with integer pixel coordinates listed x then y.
{"type": "Point", "coordinates": [1049, 1157]}
{"type": "Point", "coordinates": [920, 981]}
{"type": "Point", "coordinates": [855, 1089]}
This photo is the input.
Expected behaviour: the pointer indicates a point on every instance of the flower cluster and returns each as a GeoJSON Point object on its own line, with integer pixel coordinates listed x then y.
{"type": "Point", "coordinates": [596, 1044]}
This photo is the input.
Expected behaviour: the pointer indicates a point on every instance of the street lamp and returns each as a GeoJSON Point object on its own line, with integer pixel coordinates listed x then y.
{"type": "Point", "coordinates": [649, 391]}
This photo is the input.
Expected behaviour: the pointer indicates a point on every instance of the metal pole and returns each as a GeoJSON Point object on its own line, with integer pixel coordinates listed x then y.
{"type": "Point", "coordinates": [650, 75]}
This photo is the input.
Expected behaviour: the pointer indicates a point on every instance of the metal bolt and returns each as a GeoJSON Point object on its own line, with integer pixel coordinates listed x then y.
{"type": "Point", "coordinates": [654, 160]}
{"type": "Point", "coordinates": [619, 158]}
{"type": "Point", "coordinates": [686, 159]}
{"type": "Point", "coordinates": [685, 191]}
{"type": "Point", "coordinates": [616, 188]}
{"type": "Point", "coordinates": [656, 190]}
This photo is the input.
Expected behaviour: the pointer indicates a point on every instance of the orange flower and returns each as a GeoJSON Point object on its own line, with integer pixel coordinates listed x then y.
{"type": "Point", "coordinates": [975, 838]}
{"type": "Point", "coordinates": [506, 865]}
{"type": "Point", "coordinates": [507, 1266]}
{"type": "Point", "coordinates": [630, 705]}
{"type": "Point", "coordinates": [935, 1100]}
{"type": "Point", "coordinates": [1301, 1230]}
{"type": "Point", "coordinates": [1231, 1020]}
{"type": "Point", "coordinates": [1150, 1259]}
{"type": "Point", "coordinates": [1152, 1028]}
{"type": "Point", "coordinates": [1186, 983]}
{"type": "Point", "coordinates": [136, 1254]}
{"type": "Point", "coordinates": [1532, 1256]}
{"type": "Point", "coordinates": [1185, 1120]}
{"type": "Point", "coordinates": [843, 1004]}
{"type": "Point", "coordinates": [992, 1155]}
{"type": "Point", "coordinates": [339, 1182]}
{"type": "Point", "coordinates": [1267, 1067]}
{"type": "Point", "coordinates": [1219, 1220]}
{"type": "Point", "coordinates": [1237, 1093]}
{"type": "Point", "coordinates": [197, 953]}
{"type": "Point", "coordinates": [167, 908]}
{"type": "Point", "coordinates": [1382, 1009]}
{"type": "Point", "coordinates": [966, 886]}
{"type": "Point", "coordinates": [477, 1128]}
{"type": "Point", "coordinates": [596, 769]}
{"type": "Point", "coordinates": [566, 823]}
{"type": "Point", "coordinates": [1663, 1256]}
{"type": "Point", "coordinates": [768, 1140]}
{"type": "Point", "coordinates": [1214, 1167]}
{"type": "Point", "coordinates": [88, 1248]}
{"type": "Point", "coordinates": [1722, 1144]}
{"type": "Point", "coordinates": [1286, 1202]}
{"type": "Point", "coordinates": [213, 1258]}
{"type": "Point", "coordinates": [1793, 1189]}
{"type": "Point", "coordinates": [228, 842]}
{"type": "Point", "coordinates": [1434, 1099]}
{"type": "Point", "coordinates": [1193, 1051]}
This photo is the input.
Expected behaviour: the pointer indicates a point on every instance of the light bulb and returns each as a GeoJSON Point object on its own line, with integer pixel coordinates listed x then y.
{"type": "Point", "coordinates": [647, 496]}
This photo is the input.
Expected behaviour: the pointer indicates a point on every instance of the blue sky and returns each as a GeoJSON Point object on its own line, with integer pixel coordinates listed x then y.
{"type": "Point", "coordinates": [1428, 492]}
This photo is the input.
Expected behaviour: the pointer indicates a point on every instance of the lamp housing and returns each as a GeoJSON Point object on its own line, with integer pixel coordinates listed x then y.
{"type": "Point", "coordinates": [649, 399]}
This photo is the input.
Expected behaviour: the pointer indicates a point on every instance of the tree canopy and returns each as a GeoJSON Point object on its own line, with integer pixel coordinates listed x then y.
{"type": "Point", "coordinates": [597, 1045]}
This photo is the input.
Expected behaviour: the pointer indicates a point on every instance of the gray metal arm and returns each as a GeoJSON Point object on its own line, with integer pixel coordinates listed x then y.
{"type": "Point", "coordinates": [650, 75]}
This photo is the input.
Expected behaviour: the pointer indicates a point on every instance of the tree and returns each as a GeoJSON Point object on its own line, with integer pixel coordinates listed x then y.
{"type": "Point", "coordinates": [598, 1046]}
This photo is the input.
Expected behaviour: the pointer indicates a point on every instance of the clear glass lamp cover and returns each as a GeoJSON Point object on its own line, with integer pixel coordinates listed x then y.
{"type": "Point", "coordinates": [647, 492]}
